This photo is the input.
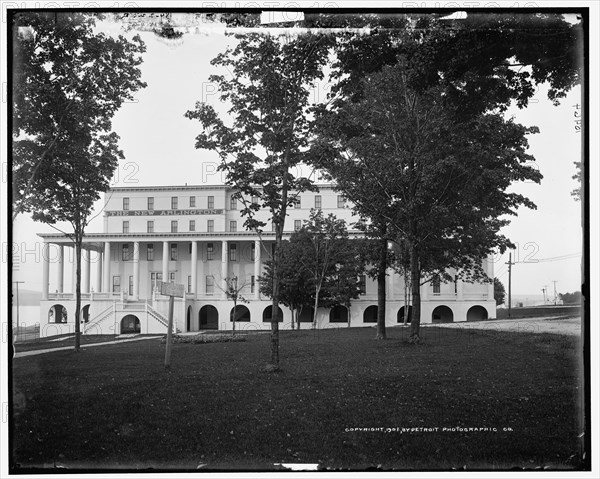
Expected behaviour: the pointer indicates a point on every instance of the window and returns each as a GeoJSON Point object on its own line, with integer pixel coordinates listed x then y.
{"type": "Point", "coordinates": [174, 202]}
{"type": "Point", "coordinates": [189, 290]}
{"type": "Point", "coordinates": [436, 285]}
{"type": "Point", "coordinates": [362, 283]}
{"type": "Point", "coordinates": [341, 201]}
{"type": "Point", "coordinates": [192, 225]}
{"type": "Point", "coordinates": [298, 202]}
{"type": "Point", "coordinates": [150, 226]}
{"type": "Point", "coordinates": [172, 277]}
{"type": "Point", "coordinates": [131, 286]}
{"type": "Point", "coordinates": [125, 204]}
{"type": "Point", "coordinates": [254, 199]}
{"type": "Point", "coordinates": [210, 226]}
{"type": "Point", "coordinates": [211, 202]}
{"type": "Point", "coordinates": [125, 256]}
{"type": "Point", "coordinates": [210, 285]}
{"type": "Point", "coordinates": [252, 283]}
{"type": "Point", "coordinates": [297, 225]}
{"type": "Point", "coordinates": [233, 252]}
{"type": "Point", "coordinates": [192, 201]}
{"type": "Point", "coordinates": [150, 252]}
{"type": "Point", "coordinates": [318, 201]}
{"type": "Point", "coordinates": [173, 251]}
{"type": "Point", "coordinates": [150, 203]}
{"type": "Point", "coordinates": [125, 226]}
{"type": "Point", "coordinates": [253, 252]}
{"type": "Point", "coordinates": [233, 226]}
{"type": "Point", "coordinates": [233, 203]}
{"type": "Point", "coordinates": [116, 284]}
{"type": "Point", "coordinates": [210, 251]}
{"type": "Point", "coordinates": [155, 278]}
{"type": "Point", "coordinates": [174, 226]}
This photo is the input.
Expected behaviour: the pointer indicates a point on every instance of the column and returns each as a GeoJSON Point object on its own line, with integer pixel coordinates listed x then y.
{"type": "Point", "coordinates": [85, 266]}
{"type": "Point", "coordinates": [45, 270]}
{"type": "Point", "coordinates": [74, 272]}
{"type": "Point", "coordinates": [490, 273]}
{"type": "Point", "coordinates": [165, 261]}
{"type": "Point", "coordinates": [106, 267]}
{"type": "Point", "coordinates": [256, 268]}
{"type": "Point", "coordinates": [136, 270]}
{"type": "Point", "coordinates": [194, 271]}
{"type": "Point", "coordinates": [224, 268]}
{"type": "Point", "coordinates": [60, 273]}
{"type": "Point", "coordinates": [98, 286]}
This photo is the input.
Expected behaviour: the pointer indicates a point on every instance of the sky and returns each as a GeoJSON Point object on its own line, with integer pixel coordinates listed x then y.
{"type": "Point", "coordinates": [158, 143]}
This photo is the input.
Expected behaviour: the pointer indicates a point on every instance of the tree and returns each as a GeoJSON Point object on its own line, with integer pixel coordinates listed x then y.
{"type": "Point", "coordinates": [295, 290]}
{"type": "Point", "coordinates": [67, 79]}
{"type": "Point", "coordinates": [570, 298]}
{"type": "Point", "coordinates": [323, 247]}
{"type": "Point", "coordinates": [499, 292]}
{"type": "Point", "coordinates": [412, 145]}
{"type": "Point", "coordinates": [269, 94]}
{"type": "Point", "coordinates": [233, 292]}
{"type": "Point", "coordinates": [419, 109]}
{"type": "Point", "coordinates": [68, 83]}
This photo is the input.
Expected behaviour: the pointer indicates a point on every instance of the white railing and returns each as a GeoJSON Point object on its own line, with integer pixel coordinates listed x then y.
{"type": "Point", "coordinates": [159, 317]}
{"type": "Point", "coordinates": [99, 318]}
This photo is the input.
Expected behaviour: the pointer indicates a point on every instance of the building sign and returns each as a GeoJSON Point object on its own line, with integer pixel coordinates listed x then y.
{"type": "Point", "coordinates": [163, 212]}
{"type": "Point", "coordinates": [171, 289]}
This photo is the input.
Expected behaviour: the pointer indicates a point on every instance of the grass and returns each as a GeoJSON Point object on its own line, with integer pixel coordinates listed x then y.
{"type": "Point", "coordinates": [538, 311]}
{"type": "Point", "coordinates": [64, 340]}
{"type": "Point", "coordinates": [115, 407]}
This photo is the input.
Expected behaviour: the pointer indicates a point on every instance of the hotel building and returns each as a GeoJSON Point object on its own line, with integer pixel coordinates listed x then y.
{"type": "Point", "coordinates": [194, 235]}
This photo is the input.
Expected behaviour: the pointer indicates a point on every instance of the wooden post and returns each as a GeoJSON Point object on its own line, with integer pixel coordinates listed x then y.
{"type": "Point", "coordinates": [169, 334]}
{"type": "Point", "coordinates": [171, 290]}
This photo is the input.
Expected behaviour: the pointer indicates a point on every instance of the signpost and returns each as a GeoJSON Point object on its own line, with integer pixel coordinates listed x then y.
{"type": "Point", "coordinates": [172, 290]}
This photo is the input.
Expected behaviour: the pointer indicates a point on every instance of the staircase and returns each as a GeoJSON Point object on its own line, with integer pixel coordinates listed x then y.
{"type": "Point", "coordinates": [101, 317]}
{"type": "Point", "coordinates": [153, 313]}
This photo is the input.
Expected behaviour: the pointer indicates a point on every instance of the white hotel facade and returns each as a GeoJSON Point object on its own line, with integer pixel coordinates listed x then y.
{"type": "Point", "coordinates": [194, 235]}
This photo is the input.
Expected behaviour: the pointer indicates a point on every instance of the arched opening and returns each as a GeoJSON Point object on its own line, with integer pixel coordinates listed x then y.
{"type": "Point", "coordinates": [130, 324]}
{"type": "Point", "coordinates": [338, 314]}
{"type": "Point", "coordinates": [188, 319]}
{"type": "Point", "coordinates": [307, 315]}
{"type": "Point", "coordinates": [267, 314]}
{"type": "Point", "coordinates": [242, 314]}
{"type": "Point", "coordinates": [400, 318]}
{"type": "Point", "coordinates": [477, 313]}
{"type": "Point", "coordinates": [57, 314]}
{"type": "Point", "coordinates": [442, 314]}
{"type": "Point", "coordinates": [85, 314]}
{"type": "Point", "coordinates": [370, 314]}
{"type": "Point", "coordinates": [209, 317]}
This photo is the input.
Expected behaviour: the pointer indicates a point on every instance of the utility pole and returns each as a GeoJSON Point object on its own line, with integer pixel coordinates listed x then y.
{"type": "Point", "coordinates": [544, 291]}
{"type": "Point", "coordinates": [555, 291]}
{"type": "Point", "coordinates": [510, 263]}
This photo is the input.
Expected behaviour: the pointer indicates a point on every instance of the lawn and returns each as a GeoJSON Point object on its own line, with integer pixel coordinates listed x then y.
{"type": "Point", "coordinates": [115, 407]}
{"type": "Point", "coordinates": [64, 340]}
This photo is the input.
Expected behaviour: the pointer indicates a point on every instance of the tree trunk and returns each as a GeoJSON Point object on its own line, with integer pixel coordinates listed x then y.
{"type": "Point", "coordinates": [234, 316]}
{"type": "Point", "coordinates": [78, 241]}
{"type": "Point", "coordinates": [349, 315]}
{"type": "Point", "coordinates": [381, 275]}
{"type": "Point", "coordinates": [406, 302]}
{"type": "Point", "coordinates": [415, 279]}
{"type": "Point", "coordinates": [317, 291]}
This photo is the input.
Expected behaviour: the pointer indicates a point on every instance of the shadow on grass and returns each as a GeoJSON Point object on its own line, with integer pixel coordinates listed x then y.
{"type": "Point", "coordinates": [341, 400]}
